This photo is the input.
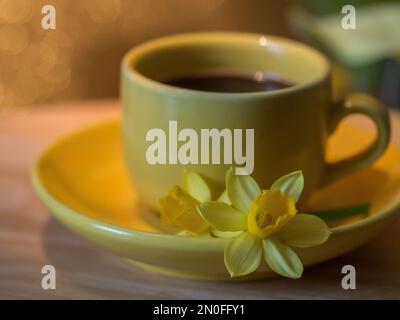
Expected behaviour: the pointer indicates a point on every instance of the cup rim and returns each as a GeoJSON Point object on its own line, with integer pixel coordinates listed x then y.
{"type": "Point", "coordinates": [140, 50]}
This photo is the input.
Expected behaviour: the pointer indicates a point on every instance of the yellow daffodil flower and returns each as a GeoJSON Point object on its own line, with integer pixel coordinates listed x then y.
{"type": "Point", "coordinates": [264, 223]}
{"type": "Point", "coordinates": [178, 207]}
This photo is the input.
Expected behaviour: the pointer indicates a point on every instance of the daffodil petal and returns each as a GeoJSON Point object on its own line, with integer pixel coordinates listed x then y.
{"type": "Point", "coordinates": [241, 189]}
{"type": "Point", "coordinates": [222, 217]}
{"type": "Point", "coordinates": [292, 184]}
{"type": "Point", "coordinates": [282, 259]}
{"type": "Point", "coordinates": [225, 234]}
{"type": "Point", "coordinates": [224, 198]}
{"type": "Point", "coordinates": [243, 254]}
{"type": "Point", "coordinates": [187, 233]}
{"type": "Point", "coordinates": [178, 209]}
{"type": "Point", "coordinates": [195, 185]}
{"type": "Point", "coordinates": [305, 230]}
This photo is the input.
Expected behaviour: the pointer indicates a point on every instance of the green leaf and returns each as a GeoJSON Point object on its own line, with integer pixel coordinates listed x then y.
{"type": "Point", "coordinates": [326, 215]}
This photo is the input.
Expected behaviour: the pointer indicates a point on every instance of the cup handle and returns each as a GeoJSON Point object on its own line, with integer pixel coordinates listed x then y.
{"type": "Point", "coordinates": [372, 108]}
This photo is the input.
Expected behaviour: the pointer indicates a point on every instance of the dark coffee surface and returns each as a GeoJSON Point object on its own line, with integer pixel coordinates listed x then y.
{"type": "Point", "coordinates": [231, 83]}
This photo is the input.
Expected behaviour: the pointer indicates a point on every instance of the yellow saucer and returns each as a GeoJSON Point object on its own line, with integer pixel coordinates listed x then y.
{"type": "Point", "coordinates": [82, 180]}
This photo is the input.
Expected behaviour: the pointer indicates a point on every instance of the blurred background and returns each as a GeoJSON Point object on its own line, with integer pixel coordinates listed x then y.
{"type": "Point", "coordinates": [80, 58]}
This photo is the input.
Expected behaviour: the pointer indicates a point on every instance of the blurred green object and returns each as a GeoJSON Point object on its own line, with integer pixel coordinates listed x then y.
{"type": "Point", "coordinates": [360, 209]}
{"type": "Point", "coordinates": [318, 7]}
{"type": "Point", "coordinates": [369, 54]}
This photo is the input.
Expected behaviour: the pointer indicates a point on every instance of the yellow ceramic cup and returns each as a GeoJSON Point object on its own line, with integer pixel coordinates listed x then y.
{"type": "Point", "coordinates": [291, 125]}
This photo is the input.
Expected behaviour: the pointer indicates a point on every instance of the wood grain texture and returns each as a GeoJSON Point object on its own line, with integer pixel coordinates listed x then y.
{"type": "Point", "coordinates": [30, 237]}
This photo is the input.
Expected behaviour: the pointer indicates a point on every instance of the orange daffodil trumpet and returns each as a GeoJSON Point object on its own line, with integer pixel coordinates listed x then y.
{"type": "Point", "coordinates": [268, 223]}
{"type": "Point", "coordinates": [259, 223]}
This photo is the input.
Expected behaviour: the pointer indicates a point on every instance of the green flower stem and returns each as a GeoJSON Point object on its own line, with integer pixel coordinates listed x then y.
{"type": "Point", "coordinates": [359, 209]}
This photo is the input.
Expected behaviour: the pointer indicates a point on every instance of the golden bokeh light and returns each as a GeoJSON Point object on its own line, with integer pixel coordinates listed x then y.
{"type": "Point", "coordinates": [44, 57]}
{"type": "Point", "coordinates": [103, 11]}
{"type": "Point", "coordinates": [59, 76]}
{"type": "Point", "coordinates": [8, 97]}
{"type": "Point", "coordinates": [15, 11]}
{"type": "Point", "coordinates": [2, 89]}
{"type": "Point", "coordinates": [13, 39]}
{"type": "Point", "coordinates": [80, 59]}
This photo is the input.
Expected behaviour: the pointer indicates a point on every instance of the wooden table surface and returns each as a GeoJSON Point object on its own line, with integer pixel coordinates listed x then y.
{"type": "Point", "coordinates": [30, 237]}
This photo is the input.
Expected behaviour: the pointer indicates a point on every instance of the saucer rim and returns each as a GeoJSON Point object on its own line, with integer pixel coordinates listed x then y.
{"type": "Point", "coordinates": [51, 201]}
